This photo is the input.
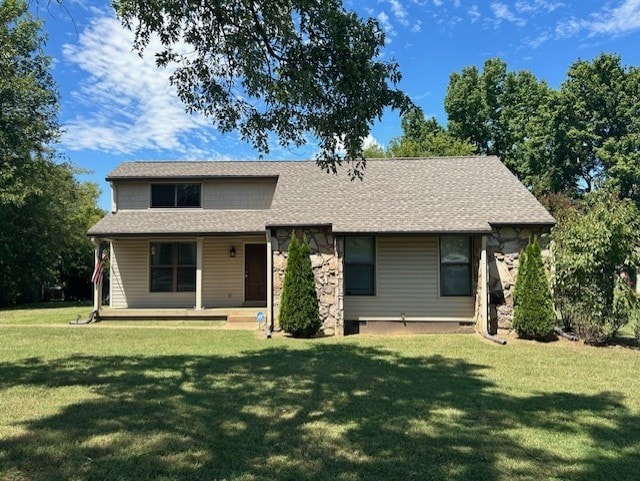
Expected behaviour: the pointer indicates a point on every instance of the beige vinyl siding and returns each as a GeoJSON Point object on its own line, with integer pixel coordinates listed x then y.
{"type": "Point", "coordinates": [407, 278]}
{"type": "Point", "coordinates": [130, 279]}
{"type": "Point", "coordinates": [132, 195]}
{"type": "Point", "coordinates": [238, 193]}
{"type": "Point", "coordinates": [216, 194]}
{"type": "Point", "coordinates": [222, 275]}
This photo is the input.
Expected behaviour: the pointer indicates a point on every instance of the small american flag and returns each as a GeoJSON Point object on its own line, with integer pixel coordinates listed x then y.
{"type": "Point", "coordinates": [96, 278]}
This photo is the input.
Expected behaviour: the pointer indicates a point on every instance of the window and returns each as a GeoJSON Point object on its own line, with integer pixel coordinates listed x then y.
{"type": "Point", "coordinates": [175, 195]}
{"type": "Point", "coordinates": [455, 266]}
{"type": "Point", "coordinates": [359, 265]}
{"type": "Point", "coordinates": [173, 266]}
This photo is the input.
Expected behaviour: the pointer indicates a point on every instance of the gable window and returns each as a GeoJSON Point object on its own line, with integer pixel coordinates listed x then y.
{"type": "Point", "coordinates": [455, 266]}
{"type": "Point", "coordinates": [175, 195]}
{"type": "Point", "coordinates": [359, 265]}
{"type": "Point", "coordinates": [172, 266]}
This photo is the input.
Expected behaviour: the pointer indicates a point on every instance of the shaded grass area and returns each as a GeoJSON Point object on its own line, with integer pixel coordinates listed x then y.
{"type": "Point", "coordinates": [89, 404]}
{"type": "Point", "coordinates": [45, 313]}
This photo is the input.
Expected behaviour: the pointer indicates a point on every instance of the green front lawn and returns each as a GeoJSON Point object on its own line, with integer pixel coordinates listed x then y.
{"type": "Point", "coordinates": [98, 403]}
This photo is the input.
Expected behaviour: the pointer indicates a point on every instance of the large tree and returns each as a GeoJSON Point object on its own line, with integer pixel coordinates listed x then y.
{"type": "Point", "coordinates": [509, 114]}
{"type": "Point", "coordinates": [44, 210]}
{"type": "Point", "coordinates": [568, 140]}
{"type": "Point", "coordinates": [28, 103]}
{"type": "Point", "coordinates": [292, 68]}
{"type": "Point", "coordinates": [600, 102]}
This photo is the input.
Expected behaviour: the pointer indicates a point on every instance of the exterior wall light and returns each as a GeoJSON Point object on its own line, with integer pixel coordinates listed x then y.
{"type": "Point", "coordinates": [232, 251]}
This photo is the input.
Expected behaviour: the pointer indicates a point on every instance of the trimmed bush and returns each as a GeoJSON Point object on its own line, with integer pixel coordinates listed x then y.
{"type": "Point", "coordinates": [299, 315]}
{"type": "Point", "coordinates": [533, 315]}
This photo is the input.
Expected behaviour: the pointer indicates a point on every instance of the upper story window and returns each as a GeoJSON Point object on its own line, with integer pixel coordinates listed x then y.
{"type": "Point", "coordinates": [176, 195]}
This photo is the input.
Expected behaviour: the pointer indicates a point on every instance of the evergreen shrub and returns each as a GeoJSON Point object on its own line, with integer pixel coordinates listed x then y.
{"type": "Point", "coordinates": [299, 313]}
{"type": "Point", "coordinates": [533, 315]}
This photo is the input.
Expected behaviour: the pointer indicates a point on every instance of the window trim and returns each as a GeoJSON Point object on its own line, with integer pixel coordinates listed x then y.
{"type": "Point", "coordinates": [469, 263]}
{"type": "Point", "coordinates": [374, 290]}
{"type": "Point", "coordinates": [175, 266]}
{"type": "Point", "coordinates": [175, 196]}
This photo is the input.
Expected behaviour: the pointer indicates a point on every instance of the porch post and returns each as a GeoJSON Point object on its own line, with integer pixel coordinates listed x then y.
{"type": "Point", "coordinates": [199, 246]}
{"type": "Point", "coordinates": [269, 280]}
{"type": "Point", "coordinates": [97, 286]}
{"type": "Point", "coordinates": [484, 298]}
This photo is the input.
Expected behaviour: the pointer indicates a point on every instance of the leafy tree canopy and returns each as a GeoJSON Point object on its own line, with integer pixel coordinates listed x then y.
{"type": "Point", "coordinates": [288, 67]}
{"type": "Point", "coordinates": [28, 103]}
{"type": "Point", "coordinates": [423, 137]}
{"type": "Point", "coordinates": [574, 139]}
{"type": "Point", "coordinates": [44, 211]}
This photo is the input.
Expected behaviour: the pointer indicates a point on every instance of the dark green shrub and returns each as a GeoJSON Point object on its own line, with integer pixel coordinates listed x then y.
{"type": "Point", "coordinates": [299, 314]}
{"type": "Point", "coordinates": [533, 315]}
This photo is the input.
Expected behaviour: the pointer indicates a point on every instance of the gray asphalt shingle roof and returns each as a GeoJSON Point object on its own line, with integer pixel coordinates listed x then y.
{"type": "Point", "coordinates": [431, 195]}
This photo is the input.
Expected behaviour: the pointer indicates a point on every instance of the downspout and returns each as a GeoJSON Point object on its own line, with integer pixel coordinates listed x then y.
{"type": "Point", "coordinates": [484, 301]}
{"type": "Point", "coordinates": [271, 323]}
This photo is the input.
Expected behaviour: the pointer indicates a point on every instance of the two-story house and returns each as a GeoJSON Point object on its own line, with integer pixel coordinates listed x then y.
{"type": "Point", "coordinates": [417, 244]}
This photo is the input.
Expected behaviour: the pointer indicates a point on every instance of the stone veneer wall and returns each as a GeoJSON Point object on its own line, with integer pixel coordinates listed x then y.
{"type": "Point", "coordinates": [327, 264]}
{"type": "Point", "coordinates": [503, 255]}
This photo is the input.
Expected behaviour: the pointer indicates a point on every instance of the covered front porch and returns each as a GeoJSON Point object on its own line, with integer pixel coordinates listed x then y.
{"type": "Point", "coordinates": [223, 277]}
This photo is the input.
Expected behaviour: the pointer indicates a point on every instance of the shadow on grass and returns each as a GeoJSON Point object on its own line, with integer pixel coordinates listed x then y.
{"type": "Point", "coordinates": [327, 412]}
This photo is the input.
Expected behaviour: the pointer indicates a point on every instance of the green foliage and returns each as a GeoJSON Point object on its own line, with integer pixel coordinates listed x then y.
{"type": "Point", "coordinates": [572, 140]}
{"type": "Point", "coordinates": [634, 319]}
{"type": "Point", "coordinates": [425, 138]}
{"type": "Point", "coordinates": [373, 152]}
{"type": "Point", "coordinates": [28, 103]}
{"type": "Point", "coordinates": [299, 314]}
{"type": "Point", "coordinates": [595, 248]}
{"type": "Point", "coordinates": [533, 315]}
{"type": "Point", "coordinates": [44, 211]}
{"type": "Point", "coordinates": [286, 67]}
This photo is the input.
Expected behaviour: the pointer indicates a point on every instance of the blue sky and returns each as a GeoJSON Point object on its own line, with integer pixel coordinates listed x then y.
{"type": "Point", "coordinates": [117, 106]}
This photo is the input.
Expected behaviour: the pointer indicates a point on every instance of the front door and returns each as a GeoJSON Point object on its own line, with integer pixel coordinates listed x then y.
{"type": "Point", "coordinates": [255, 273]}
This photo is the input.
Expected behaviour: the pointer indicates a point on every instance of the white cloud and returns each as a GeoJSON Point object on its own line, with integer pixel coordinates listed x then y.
{"type": "Point", "coordinates": [502, 12]}
{"type": "Point", "coordinates": [474, 13]}
{"type": "Point", "coordinates": [370, 141]}
{"type": "Point", "coordinates": [539, 40]}
{"type": "Point", "coordinates": [128, 102]}
{"type": "Point", "coordinates": [532, 6]}
{"type": "Point", "coordinates": [385, 23]}
{"type": "Point", "coordinates": [614, 21]}
{"type": "Point", "coordinates": [399, 12]}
